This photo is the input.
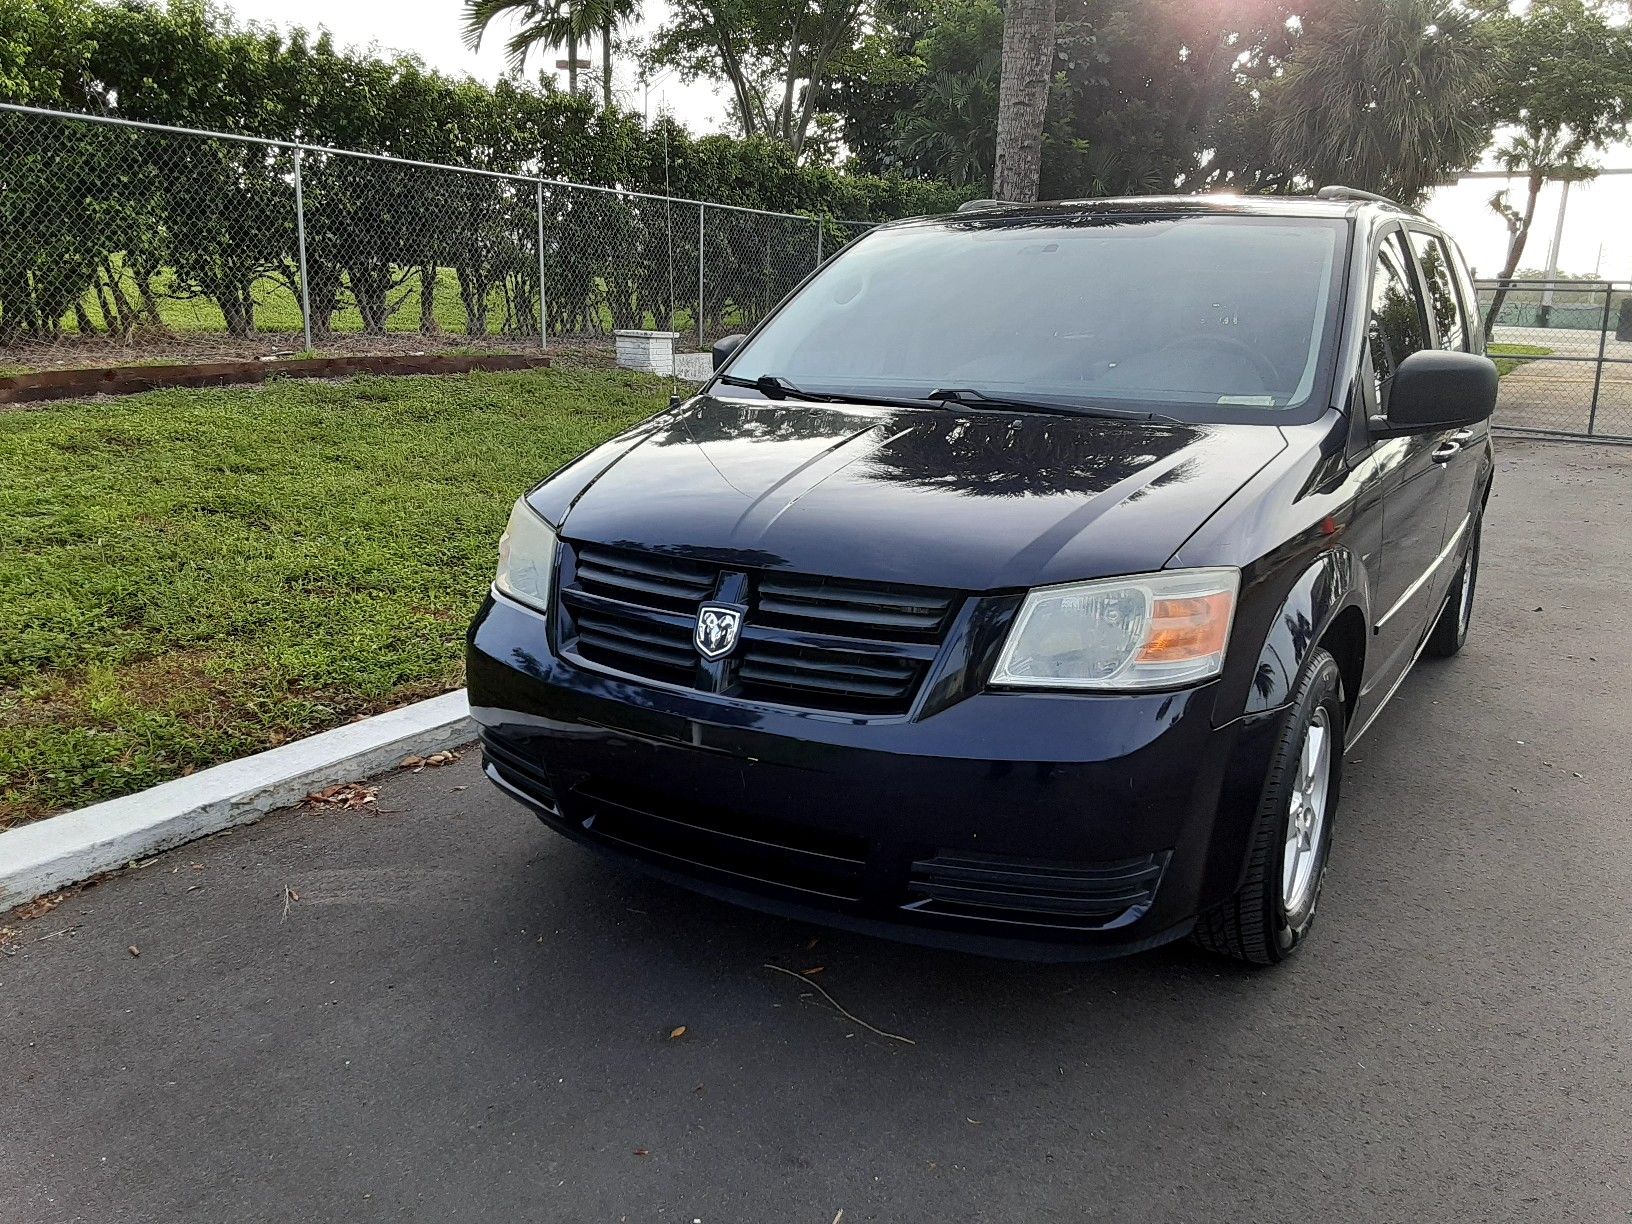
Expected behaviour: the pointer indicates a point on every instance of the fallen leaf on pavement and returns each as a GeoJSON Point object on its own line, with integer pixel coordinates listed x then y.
{"type": "Point", "coordinates": [642, 1152]}
{"type": "Point", "coordinates": [435, 761]}
{"type": "Point", "coordinates": [40, 906]}
{"type": "Point", "coordinates": [134, 950]}
{"type": "Point", "coordinates": [349, 795]}
{"type": "Point", "coordinates": [812, 971]}
{"type": "Point", "coordinates": [679, 1032]}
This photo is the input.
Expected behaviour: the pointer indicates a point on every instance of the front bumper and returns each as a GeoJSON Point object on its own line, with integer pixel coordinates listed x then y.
{"type": "Point", "coordinates": [1039, 825]}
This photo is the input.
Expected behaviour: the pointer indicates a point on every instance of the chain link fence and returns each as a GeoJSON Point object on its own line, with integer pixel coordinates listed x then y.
{"type": "Point", "coordinates": [1565, 351]}
{"type": "Point", "coordinates": [126, 242]}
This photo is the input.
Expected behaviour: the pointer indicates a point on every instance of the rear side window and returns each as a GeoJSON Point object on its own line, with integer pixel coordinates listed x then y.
{"type": "Point", "coordinates": [1397, 327]}
{"type": "Point", "coordinates": [1470, 297]}
{"type": "Point", "coordinates": [1439, 279]}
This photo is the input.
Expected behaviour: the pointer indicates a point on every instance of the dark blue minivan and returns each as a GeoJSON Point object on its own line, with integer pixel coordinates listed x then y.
{"type": "Point", "coordinates": [1018, 584]}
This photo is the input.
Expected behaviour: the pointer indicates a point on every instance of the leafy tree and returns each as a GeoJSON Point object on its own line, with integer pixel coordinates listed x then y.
{"type": "Point", "coordinates": [1563, 91]}
{"type": "Point", "coordinates": [775, 57]}
{"type": "Point", "coordinates": [950, 133]}
{"type": "Point", "coordinates": [43, 52]}
{"type": "Point", "coordinates": [1165, 95]}
{"type": "Point", "coordinates": [950, 130]}
{"type": "Point", "coordinates": [1145, 95]}
{"type": "Point", "coordinates": [1386, 95]}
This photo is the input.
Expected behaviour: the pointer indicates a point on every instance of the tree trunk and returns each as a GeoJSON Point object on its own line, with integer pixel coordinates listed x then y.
{"type": "Point", "coordinates": [110, 319]}
{"type": "Point", "coordinates": [473, 289]}
{"type": "Point", "coordinates": [1515, 252]}
{"type": "Point", "coordinates": [1028, 61]}
{"type": "Point", "coordinates": [427, 299]}
{"type": "Point", "coordinates": [121, 303]}
{"type": "Point", "coordinates": [227, 297]}
{"type": "Point", "coordinates": [606, 65]}
{"type": "Point", "coordinates": [370, 285]}
{"type": "Point", "coordinates": [150, 302]}
{"type": "Point", "coordinates": [731, 61]}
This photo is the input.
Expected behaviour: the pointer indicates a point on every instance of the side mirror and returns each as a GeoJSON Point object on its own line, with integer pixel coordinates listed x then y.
{"type": "Point", "coordinates": [724, 347]}
{"type": "Point", "coordinates": [1438, 389]}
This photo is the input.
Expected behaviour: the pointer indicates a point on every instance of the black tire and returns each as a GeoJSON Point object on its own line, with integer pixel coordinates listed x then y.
{"type": "Point", "coordinates": [1255, 925]}
{"type": "Point", "coordinates": [1451, 629]}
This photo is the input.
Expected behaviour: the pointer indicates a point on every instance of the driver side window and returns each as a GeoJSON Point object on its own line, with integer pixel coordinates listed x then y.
{"type": "Point", "coordinates": [1397, 326]}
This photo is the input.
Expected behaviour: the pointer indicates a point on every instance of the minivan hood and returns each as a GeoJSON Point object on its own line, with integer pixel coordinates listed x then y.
{"type": "Point", "coordinates": [968, 499]}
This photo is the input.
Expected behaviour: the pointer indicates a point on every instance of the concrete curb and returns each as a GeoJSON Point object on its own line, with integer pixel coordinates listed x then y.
{"type": "Point", "coordinates": [50, 854]}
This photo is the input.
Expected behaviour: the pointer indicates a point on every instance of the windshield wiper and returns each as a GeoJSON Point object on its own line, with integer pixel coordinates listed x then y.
{"type": "Point", "coordinates": [772, 387]}
{"type": "Point", "coordinates": [979, 399]}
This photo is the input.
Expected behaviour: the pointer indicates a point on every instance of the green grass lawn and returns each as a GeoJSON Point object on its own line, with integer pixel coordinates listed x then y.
{"type": "Point", "coordinates": [1509, 357]}
{"type": "Point", "coordinates": [188, 576]}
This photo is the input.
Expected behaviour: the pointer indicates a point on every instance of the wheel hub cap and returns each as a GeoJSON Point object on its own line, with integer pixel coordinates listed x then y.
{"type": "Point", "coordinates": [1306, 819]}
{"type": "Point", "coordinates": [1464, 606]}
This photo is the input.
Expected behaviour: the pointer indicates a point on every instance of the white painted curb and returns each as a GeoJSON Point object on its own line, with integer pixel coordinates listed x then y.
{"type": "Point", "coordinates": [49, 854]}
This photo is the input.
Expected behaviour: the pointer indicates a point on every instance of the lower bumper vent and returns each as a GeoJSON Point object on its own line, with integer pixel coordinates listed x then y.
{"type": "Point", "coordinates": [1082, 896]}
{"type": "Point", "coordinates": [695, 837]}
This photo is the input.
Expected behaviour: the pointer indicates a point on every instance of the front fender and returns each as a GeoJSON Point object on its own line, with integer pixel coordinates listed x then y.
{"type": "Point", "coordinates": [1333, 582]}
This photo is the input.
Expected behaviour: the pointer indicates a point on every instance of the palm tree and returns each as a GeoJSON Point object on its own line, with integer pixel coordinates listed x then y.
{"type": "Point", "coordinates": [1022, 104]}
{"type": "Point", "coordinates": [606, 16]}
{"type": "Point", "coordinates": [948, 133]}
{"type": "Point", "coordinates": [553, 23]}
{"type": "Point", "coordinates": [1387, 95]}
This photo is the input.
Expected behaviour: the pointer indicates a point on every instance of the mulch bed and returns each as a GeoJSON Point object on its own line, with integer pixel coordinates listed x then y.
{"type": "Point", "coordinates": [126, 380]}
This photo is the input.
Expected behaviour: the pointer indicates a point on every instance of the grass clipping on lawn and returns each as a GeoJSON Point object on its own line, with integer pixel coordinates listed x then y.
{"type": "Point", "coordinates": [190, 576]}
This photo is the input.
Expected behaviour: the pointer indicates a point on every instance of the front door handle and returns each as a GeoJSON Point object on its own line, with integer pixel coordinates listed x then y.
{"type": "Point", "coordinates": [1446, 451]}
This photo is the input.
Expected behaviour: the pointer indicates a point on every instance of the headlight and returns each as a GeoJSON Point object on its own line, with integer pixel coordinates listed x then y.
{"type": "Point", "coordinates": [1145, 632]}
{"type": "Point", "coordinates": [526, 558]}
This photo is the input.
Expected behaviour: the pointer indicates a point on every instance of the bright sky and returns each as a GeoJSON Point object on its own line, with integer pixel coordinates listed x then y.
{"type": "Point", "coordinates": [1596, 235]}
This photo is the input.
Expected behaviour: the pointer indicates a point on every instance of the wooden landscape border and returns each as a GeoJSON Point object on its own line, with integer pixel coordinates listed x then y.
{"type": "Point", "coordinates": [127, 380]}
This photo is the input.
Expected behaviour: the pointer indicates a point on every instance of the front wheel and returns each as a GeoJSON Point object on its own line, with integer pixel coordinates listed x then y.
{"type": "Point", "coordinates": [1272, 911]}
{"type": "Point", "coordinates": [1450, 631]}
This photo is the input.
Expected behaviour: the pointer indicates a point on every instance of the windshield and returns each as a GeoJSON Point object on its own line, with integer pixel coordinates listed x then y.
{"type": "Point", "coordinates": [1139, 312]}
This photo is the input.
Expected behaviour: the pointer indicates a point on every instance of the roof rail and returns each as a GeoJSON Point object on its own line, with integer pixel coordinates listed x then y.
{"type": "Point", "coordinates": [977, 205]}
{"type": "Point", "coordinates": [1338, 192]}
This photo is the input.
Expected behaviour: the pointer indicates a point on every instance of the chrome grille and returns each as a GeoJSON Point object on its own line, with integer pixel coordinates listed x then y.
{"type": "Point", "coordinates": [832, 605]}
{"type": "Point", "coordinates": [807, 641]}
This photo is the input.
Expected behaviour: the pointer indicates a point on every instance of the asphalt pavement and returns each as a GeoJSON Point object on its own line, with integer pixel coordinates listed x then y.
{"type": "Point", "coordinates": [430, 1008]}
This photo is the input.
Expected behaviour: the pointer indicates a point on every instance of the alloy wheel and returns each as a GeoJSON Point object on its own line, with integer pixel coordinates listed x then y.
{"type": "Point", "coordinates": [1306, 820]}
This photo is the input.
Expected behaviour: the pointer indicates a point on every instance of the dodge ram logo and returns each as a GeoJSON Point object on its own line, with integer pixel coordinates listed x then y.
{"type": "Point", "coordinates": [718, 627]}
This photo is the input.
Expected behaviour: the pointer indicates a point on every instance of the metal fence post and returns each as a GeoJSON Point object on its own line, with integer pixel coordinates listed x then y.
{"type": "Point", "coordinates": [1603, 344]}
{"type": "Point", "coordinates": [701, 209]}
{"type": "Point", "coordinates": [543, 312]}
{"type": "Point", "coordinates": [819, 228]}
{"type": "Point", "coordinates": [300, 254]}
